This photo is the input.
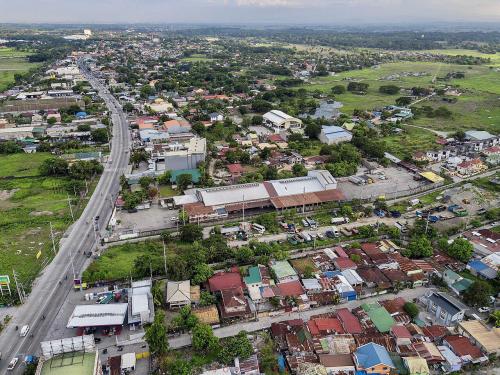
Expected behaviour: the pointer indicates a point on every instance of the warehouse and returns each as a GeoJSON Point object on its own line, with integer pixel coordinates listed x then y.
{"type": "Point", "coordinates": [280, 121]}
{"type": "Point", "coordinates": [90, 316]}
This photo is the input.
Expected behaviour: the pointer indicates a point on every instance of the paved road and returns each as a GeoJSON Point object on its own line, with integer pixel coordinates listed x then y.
{"type": "Point", "coordinates": [265, 322]}
{"type": "Point", "coordinates": [51, 288]}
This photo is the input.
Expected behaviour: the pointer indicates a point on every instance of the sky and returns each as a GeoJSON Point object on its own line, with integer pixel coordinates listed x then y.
{"type": "Point", "coordinates": [331, 12]}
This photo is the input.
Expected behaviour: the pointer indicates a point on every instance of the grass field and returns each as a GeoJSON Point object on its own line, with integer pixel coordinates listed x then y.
{"type": "Point", "coordinates": [12, 62]}
{"type": "Point", "coordinates": [196, 57]}
{"type": "Point", "coordinates": [412, 140]}
{"type": "Point", "coordinates": [28, 202]}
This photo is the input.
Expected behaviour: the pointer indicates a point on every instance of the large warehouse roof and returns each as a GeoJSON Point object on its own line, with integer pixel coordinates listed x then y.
{"type": "Point", "coordinates": [276, 116]}
{"type": "Point", "coordinates": [233, 194]}
{"type": "Point", "coordinates": [98, 315]}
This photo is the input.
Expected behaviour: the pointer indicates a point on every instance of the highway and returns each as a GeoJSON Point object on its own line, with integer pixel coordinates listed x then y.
{"type": "Point", "coordinates": [52, 287]}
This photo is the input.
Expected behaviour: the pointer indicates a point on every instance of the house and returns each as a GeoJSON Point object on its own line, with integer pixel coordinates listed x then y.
{"type": "Point", "coordinates": [280, 121]}
{"type": "Point", "coordinates": [214, 117]}
{"type": "Point", "coordinates": [178, 293]}
{"type": "Point", "coordinates": [234, 304]}
{"type": "Point", "coordinates": [416, 366]}
{"type": "Point", "coordinates": [349, 321]}
{"type": "Point", "coordinates": [444, 311]}
{"type": "Point", "coordinates": [284, 271]}
{"type": "Point", "coordinates": [337, 363]}
{"type": "Point", "coordinates": [225, 280]}
{"type": "Point", "coordinates": [236, 171]}
{"type": "Point", "coordinates": [470, 167]}
{"type": "Point", "coordinates": [484, 337]}
{"type": "Point", "coordinates": [401, 335]}
{"type": "Point", "coordinates": [373, 359]}
{"type": "Point", "coordinates": [464, 349]}
{"type": "Point", "coordinates": [487, 267]}
{"type": "Point", "coordinates": [291, 289]}
{"type": "Point", "coordinates": [332, 135]}
{"type": "Point", "coordinates": [452, 362]}
{"type": "Point", "coordinates": [380, 317]}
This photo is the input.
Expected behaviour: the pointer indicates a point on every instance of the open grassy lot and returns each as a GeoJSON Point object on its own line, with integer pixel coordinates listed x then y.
{"type": "Point", "coordinates": [413, 139]}
{"type": "Point", "coordinates": [196, 58]}
{"type": "Point", "coordinates": [28, 202]}
{"type": "Point", "coordinates": [12, 62]}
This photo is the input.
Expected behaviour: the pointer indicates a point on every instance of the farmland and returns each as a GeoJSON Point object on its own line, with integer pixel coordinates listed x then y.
{"type": "Point", "coordinates": [28, 202]}
{"type": "Point", "coordinates": [11, 63]}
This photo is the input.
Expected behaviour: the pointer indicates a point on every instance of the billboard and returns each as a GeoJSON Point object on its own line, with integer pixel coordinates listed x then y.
{"type": "Point", "coordinates": [4, 280]}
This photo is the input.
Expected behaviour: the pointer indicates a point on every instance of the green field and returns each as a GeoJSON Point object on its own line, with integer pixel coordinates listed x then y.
{"type": "Point", "coordinates": [28, 202]}
{"type": "Point", "coordinates": [196, 57]}
{"type": "Point", "coordinates": [12, 62]}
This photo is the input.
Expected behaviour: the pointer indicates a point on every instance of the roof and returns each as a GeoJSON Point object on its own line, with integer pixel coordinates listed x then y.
{"type": "Point", "coordinates": [277, 116]}
{"type": "Point", "coordinates": [76, 364]}
{"type": "Point", "coordinates": [328, 324]}
{"type": "Point", "coordinates": [195, 175]}
{"type": "Point", "coordinates": [332, 132]}
{"type": "Point", "coordinates": [349, 321]}
{"type": "Point", "coordinates": [449, 356]}
{"type": "Point", "coordinates": [235, 168]}
{"type": "Point", "coordinates": [416, 365]}
{"type": "Point", "coordinates": [253, 276]}
{"type": "Point", "coordinates": [225, 280]}
{"type": "Point", "coordinates": [178, 291]}
{"type": "Point", "coordinates": [283, 269]}
{"type": "Point", "coordinates": [336, 360]}
{"type": "Point", "coordinates": [461, 346]}
{"type": "Point", "coordinates": [370, 355]}
{"type": "Point", "coordinates": [431, 176]}
{"type": "Point", "coordinates": [445, 303]}
{"type": "Point", "coordinates": [233, 194]}
{"type": "Point", "coordinates": [128, 361]}
{"type": "Point", "coordinates": [291, 289]}
{"type": "Point", "coordinates": [379, 316]}
{"type": "Point", "coordinates": [97, 315]}
{"type": "Point", "coordinates": [401, 332]}
{"type": "Point", "coordinates": [344, 263]}
{"type": "Point", "coordinates": [140, 303]}
{"type": "Point", "coordinates": [478, 135]}
{"type": "Point", "coordinates": [488, 339]}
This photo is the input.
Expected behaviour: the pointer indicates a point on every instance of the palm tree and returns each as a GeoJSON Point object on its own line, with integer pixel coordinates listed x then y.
{"type": "Point", "coordinates": [495, 318]}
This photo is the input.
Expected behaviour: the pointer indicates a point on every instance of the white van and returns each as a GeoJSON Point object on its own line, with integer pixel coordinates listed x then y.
{"type": "Point", "coordinates": [13, 363]}
{"type": "Point", "coordinates": [24, 330]}
{"type": "Point", "coordinates": [258, 228]}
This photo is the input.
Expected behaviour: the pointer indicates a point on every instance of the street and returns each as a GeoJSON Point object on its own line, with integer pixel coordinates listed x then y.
{"type": "Point", "coordinates": [50, 289]}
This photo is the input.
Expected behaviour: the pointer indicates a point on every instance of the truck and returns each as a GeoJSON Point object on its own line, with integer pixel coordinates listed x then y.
{"type": "Point", "coordinates": [306, 237]}
{"type": "Point", "coordinates": [312, 223]}
{"type": "Point", "coordinates": [339, 220]}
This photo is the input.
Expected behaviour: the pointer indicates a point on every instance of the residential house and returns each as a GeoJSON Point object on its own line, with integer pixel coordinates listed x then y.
{"type": "Point", "coordinates": [416, 366]}
{"type": "Point", "coordinates": [484, 337]}
{"type": "Point", "coordinates": [373, 359]}
{"type": "Point", "coordinates": [234, 304]}
{"type": "Point", "coordinates": [349, 321]}
{"type": "Point", "coordinates": [283, 271]}
{"type": "Point", "coordinates": [470, 167]}
{"type": "Point", "coordinates": [338, 364]}
{"type": "Point", "coordinates": [215, 117]}
{"type": "Point", "coordinates": [451, 363]}
{"type": "Point", "coordinates": [382, 320]}
{"type": "Point", "coordinates": [401, 335]}
{"type": "Point", "coordinates": [178, 293]}
{"type": "Point", "coordinates": [444, 311]}
{"type": "Point", "coordinates": [464, 349]}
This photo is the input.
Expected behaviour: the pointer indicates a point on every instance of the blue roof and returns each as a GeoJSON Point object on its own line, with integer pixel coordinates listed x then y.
{"type": "Point", "coordinates": [81, 114]}
{"type": "Point", "coordinates": [371, 354]}
{"type": "Point", "coordinates": [477, 265]}
{"type": "Point", "coordinates": [331, 274]}
{"type": "Point", "coordinates": [334, 131]}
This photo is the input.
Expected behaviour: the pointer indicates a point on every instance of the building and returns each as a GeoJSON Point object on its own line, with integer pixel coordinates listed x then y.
{"type": "Point", "coordinates": [337, 363]}
{"type": "Point", "coordinates": [176, 156]}
{"type": "Point", "coordinates": [380, 317]}
{"type": "Point", "coordinates": [284, 271]}
{"type": "Point", "coordinates": [332, 135]}
{"type": "Point", "coordinates": [140, 303]}
{"type": "Point", "coordinates": [373, 359]}
{"type": "Point", "coordinates": [74, 355]}
{"type": "Point", "coordinates": [280, 121]}
{"type": "Point", "coordinates": [464, 349]}
{"type": "Point", "coordinates": [451, 362]}
{"type": "Point", "coordinates": [444, 311]}
{"type": "Point", "coordinates": [484, 337]}
{"type": "Point", "coordinates": [416, 366]}
{"type": "Point", "coordinates": [178, 293]}
{"type": "Point", "coordinates": [300, 193]}
{"type": "Point", "coordinates": [17, 133]}
{"type": "Point", "coordinates": [97, 315]}
{"type": "Point", "coordinates": [487, 267]}
{"type": "Point", "coordinates": [470, 167]}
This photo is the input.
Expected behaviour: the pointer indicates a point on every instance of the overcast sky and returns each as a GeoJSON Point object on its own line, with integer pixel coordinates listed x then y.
{"type": "Point", "coordinates": [249, 11]}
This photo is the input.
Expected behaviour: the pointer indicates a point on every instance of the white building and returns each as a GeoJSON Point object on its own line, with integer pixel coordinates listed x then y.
{"type": "Point", "coordinates": [280, 121]}
{"type": "Point", "coordinates": [332, 135]}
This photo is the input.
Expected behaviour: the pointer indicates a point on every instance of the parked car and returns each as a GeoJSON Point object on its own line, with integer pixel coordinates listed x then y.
{"type": "Point", "coordinates": [484, 309]}
{"type": "Point", "coordinates": [395, 214]}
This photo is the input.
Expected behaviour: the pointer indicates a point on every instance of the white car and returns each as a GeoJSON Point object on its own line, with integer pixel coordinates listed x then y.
{"type": "Point", "coordinates": [484, 309]}
{"type": "Point", "coordinates": [174, 218]}
{"type": "Point", "coordinates": [13, 363]}
{"type": "Point", "coordinates": [24, 330]}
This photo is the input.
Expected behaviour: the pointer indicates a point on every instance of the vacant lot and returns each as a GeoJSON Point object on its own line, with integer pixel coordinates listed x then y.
{"type": "Point", "coordinates": [28, 202]}
{"type": "Point", "coordinates": [12, 62]}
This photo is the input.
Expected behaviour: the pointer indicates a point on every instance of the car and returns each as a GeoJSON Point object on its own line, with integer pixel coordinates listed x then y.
{"type": "Point", "coordinates": [330, 234]}
{"type": "Point", "coordinates": [13, 363]}
{"type": "Point", "coordinates": [484, 309]}
{"type": "Point", "coordinates": [174, 218]}
{"type": "Point", "coordinates": [24, 330]}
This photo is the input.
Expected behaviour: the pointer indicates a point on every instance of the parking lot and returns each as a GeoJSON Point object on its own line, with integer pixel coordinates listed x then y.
{"type": "Point", "coordinates": [153, 218]}
{"type": "Point", "coordinates": [396, 179]}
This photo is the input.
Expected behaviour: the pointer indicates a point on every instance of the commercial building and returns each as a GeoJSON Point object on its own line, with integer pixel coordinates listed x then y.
{"type": "Point", "coordinates": [180, 155]}
{"type": "Point", "coordinates": [140, 303]}
{"type": "Point", "coordinates": [280, 121]}
{"type": "Point", "coordinates": [109, 315]}
{"type": "Point", "coordinates": [332, 135]}
{"type": "Point", "coordinates": [300, 193]}
{"type": "Point", "coordinates": [486, 338]}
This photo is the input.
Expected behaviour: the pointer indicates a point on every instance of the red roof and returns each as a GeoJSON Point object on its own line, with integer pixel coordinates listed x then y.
{"type": "Point", "coordinates": [401, 332]}
{"type": "Point", "coordinates": [340, 252]}
{"type": "Point", "coordinates": [470, 163]}
{"type": "Point", "coordinates": [275, 138]}
{"type": "Point", "coordinates": [225, 280]}
{"type": "Point", "coordinates": [329, 324]}
{"type": "Point", "coordinates": [370, 248]}
{"type": "Point", "coordinates": [350, 323]}
{"type": "Point", "coordinates": [291, 289]}
{"type": "Point", "coordinates": [235, 168]}
{"type": "Point", "coordinates": [435, 331]}
{"type": "Point", "coordinates": [461, 346]}
{"type": "Point", "coordinates": [344, 264]}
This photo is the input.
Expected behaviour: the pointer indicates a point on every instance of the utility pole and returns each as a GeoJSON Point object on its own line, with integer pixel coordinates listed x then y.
{"type": "Point", "coordinates": [165, 257]}
{"type": "Point", "coordinates": [70, 209]}
{"type": "Point", "coordinates": [52, 237]}
{"type": "Point", "coordinates": [304, 203]}
{"type": "Point", "coordinates": [19, 287]}
{"type": "Point", "coordinates": [243, 209]}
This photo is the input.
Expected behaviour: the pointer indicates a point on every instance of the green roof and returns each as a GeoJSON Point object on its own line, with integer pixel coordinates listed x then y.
{"type": "Point", "coordinates": [70, 364]}
{"type": "Point", "coordinates": [462, 285]}
{"type": "Point", "coordinates": [398, 362]}
{"type": "Point", "coordinates": [253, 276]}
{"type": "Point", "coordinates": [379, 316]}
{"type": "Point", "coordinates": [283, 269]}
{"type": "Point", "coordinates": [453, 276]}
{"type": "Point", "coordinates": [195, 174]}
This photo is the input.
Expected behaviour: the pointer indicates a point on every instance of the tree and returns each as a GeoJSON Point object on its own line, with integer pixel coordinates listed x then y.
{"type": "Point", "coordinates": [191, 233]}
{"type": "Point", "coordinates": [54, 167]}
{"type": "Point", "coordinates": [146, 181]}
{"type": "Point", "coordinates": [164, 179]}
{"type": "Point", "coordinates": [299, 170]}
{"type": "Point", "coordinates": [138, 156]}
{"type": "Point", "coordinates": [403, 101]}
{"type": "Point", "coordinates": [185, 320]}
{"type": "Point", "coordinates": [495, 318]}
{"type": "Point", "coordinates": [179, 366]}
{"type": "Point", "coordinates": [204, 340]}
{"type": "Point", "coordinates": [201, 273]}
{"type": "Point", "coordinates": [312, 131]}
{"type": "Point", "coordinates": [51, 120]}
{"type": "Point", "coordinates": [128, 107]}
{"type": "Point", "coordinates": [389, 89]}
{"type": "Point", "coordinates": [420, 247]}
{"type": "Point", "coordinates": [338, 89]}
{"type": "Point", "coordinates": [478, 294]}
{"type": "Point", "coordinates": [100, 135]}
{"type": "Point", "coordinates": [356, 258]}
{"type": "Point", "coordinates": [235, 347]}
{"type": "Point", "coordinates": [268, 355]}
{"type": "Point", "coordinates": [257, 120]}
{"type": "Point", "coordinates": [184, 180]}
{"type": "Point", "coordinates": [10, 147]}
{"type": "Point", "coordinates": [83, 169]}
{"type": "Point", "coordinates": [357, 86]}
{"type": "Point", "coordinates": [460, 249]}
{"type": "Point", "coordinates": [156, 335]}
{"type": "Point", "coordinates": [411, 309]}
{"type": "Point", "coordinates": [207, 299]}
